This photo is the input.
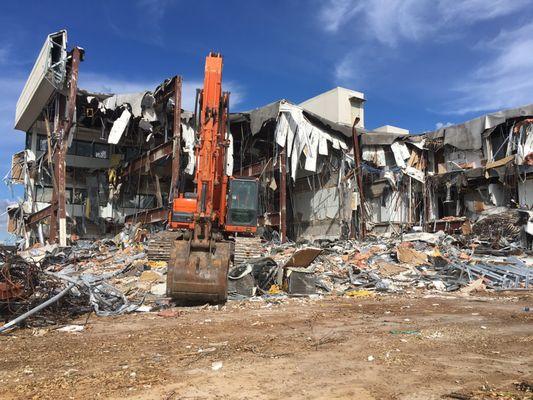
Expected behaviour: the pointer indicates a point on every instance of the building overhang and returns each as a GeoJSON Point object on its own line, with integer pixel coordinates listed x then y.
{"type": "Point", "coordinates": [47, 76]}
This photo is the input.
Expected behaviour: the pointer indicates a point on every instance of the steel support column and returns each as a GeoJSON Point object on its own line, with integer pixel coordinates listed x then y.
{"type": "Point", "coordinates": [59, 212]}
{"type": "Point", "coordinates": [359, 175]}
{"type": "Point", "coordinates": [283, 195]}
{"type": "Point", "coordinates": [176, 132]}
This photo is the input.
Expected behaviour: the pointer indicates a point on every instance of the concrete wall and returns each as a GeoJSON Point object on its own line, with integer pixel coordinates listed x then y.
{"type": "Point", "coordinates": [392, 129]}
{"type": "Point", "coordinates": [338, 105]}
{"type": "Point", "coordinates": [316, 206]}
{"type": "Point", "coordinates": [525, 193]}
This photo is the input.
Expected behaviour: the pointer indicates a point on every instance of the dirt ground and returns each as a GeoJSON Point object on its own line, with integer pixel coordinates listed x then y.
{"type": "Point", "coordinates": [383, 347]}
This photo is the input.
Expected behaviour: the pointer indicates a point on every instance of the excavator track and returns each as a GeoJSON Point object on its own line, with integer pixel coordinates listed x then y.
{"type": "Point", "coordinates": [246, 248]}
{"type": "Point", "coordinates": [199, 275]}
{"type": "Point", "coordinates": [160, 245]}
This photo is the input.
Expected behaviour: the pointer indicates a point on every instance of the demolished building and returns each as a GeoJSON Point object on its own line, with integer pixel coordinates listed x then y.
{"type": "Point", "coordinates": [94, 162]}
{"type": "Point", "coordinates": [442, 211]}
{"type": "Point", "coordinates": [91, 159]}
{"type": "Point", "coordinates": [481, 167]}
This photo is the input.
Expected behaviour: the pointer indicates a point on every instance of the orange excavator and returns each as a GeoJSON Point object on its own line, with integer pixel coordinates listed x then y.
{"type": "Point", "coordinates": [220, 206]}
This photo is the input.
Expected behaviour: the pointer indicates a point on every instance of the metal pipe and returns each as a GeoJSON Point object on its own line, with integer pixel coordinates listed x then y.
{"type": "Point", "coordinates": [35, 310]}
{"type": "Point", "coordinates": [40, 232]}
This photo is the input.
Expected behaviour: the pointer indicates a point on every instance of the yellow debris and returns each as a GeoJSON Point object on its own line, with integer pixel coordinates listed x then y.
{"type": "Point", "coordinates": [436, 252]}
{"type": "Point", "coordinates": [151, 276]}
{"type": "Point", "coordinates": [274, 289]}
{"type": "Point", "coordinates": [359, 293]}
{"type": "Point", "coordinates": [157, 264]}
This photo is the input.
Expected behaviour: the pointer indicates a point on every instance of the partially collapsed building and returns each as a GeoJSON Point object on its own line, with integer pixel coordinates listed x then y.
{"type": "Point", "coordinates": [481, 166]}
{"type": "Point", "coordinates": [94, 162]}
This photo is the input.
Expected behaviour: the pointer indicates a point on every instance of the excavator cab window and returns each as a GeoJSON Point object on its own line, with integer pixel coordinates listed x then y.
{"type": "Point", "coordinates": [242, 202]}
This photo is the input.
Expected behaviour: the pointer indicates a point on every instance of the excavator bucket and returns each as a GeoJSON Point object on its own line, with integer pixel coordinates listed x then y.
{"type": "Point", "coordinates": [197, 275]}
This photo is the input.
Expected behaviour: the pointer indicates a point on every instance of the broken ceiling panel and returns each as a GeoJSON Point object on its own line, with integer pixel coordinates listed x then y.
{"type": "Point", "coordinates": [119, 126]}
{"type": "Point", "coordinates": [467, 136]}
{"type": "Point", "coordinates": [18, 167]}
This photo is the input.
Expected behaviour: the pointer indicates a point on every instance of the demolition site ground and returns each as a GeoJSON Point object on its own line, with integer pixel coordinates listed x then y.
{"type": "Point", "coordinates": [411, 346]}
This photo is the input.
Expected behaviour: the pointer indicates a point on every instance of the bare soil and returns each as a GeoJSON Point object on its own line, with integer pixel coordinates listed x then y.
{"type": "Point", "coordinates": [383, 347]}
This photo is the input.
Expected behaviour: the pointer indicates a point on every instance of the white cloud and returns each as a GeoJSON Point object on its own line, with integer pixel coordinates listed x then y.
{"type": "Point", "coordinates": [439, 125]}
{"type": "Point", "coordinates": [504, 79]}
{"type": "Point", "coordinates": [146, 24]}
{"type": "Point", "coordinates": [471, 11]}
{"type": "Point", "coordinates": [152, 13]}
{"type": "Point", "coordinates": [335, 13]}
{"type": "Point", "coordinates": [346, 70]}
{"type": "Point", "coordinates": [392, 21]}
{"type": "Point", "coordinates": [352, 68]}
{"type": "Point", "coordinates": [101, 83]}
{"type": "Point", "coordinates": [388, 21]}
{"type": "Point", "coordinates": [153, 9]}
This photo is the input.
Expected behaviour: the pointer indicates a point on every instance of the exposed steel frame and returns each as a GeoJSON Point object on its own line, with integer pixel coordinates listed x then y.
{"type": "Point", "coordinates": [176, 138]}
{"type": "Point", "coordinates": [359, 176]}
{"type": "Point", "coordinates": [67, 107]}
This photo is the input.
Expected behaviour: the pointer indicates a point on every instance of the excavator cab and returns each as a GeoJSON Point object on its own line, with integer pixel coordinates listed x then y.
{"type": "Point", "coordinates": [242, 205]}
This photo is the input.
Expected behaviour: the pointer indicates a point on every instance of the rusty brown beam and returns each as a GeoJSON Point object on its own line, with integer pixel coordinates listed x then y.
{"type": "Point", "coordinates": [149, 216]}
{"type": "Point", "coordinates": [10, 290]}
{"type": "Point", "coordinates": [255, 169]}
{"type": "Point", "coordinates": [38, 216]}
{"type": "Point", "coordinates": [144, 161]}
{"type": "Point", "coordinates": [59, 212]}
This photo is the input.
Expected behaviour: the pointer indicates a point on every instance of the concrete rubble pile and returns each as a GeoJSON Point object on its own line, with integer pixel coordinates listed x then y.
{"type": "Point", "coordinates": [418, 260]}
{"type": "Point", "coordinates": [107, 277]}
{"type": "Point", "coordinates": [116, 276]}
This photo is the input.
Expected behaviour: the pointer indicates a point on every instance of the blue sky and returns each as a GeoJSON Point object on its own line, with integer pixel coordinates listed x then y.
{"type": "Point", "coordinates": [420, 63]}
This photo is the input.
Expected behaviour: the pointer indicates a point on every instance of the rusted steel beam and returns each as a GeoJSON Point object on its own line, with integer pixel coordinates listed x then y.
{"type": "Point", "coordinates": [59, 213]}
{"type": "Point", "coordinates": [273, 219]}
{"type": "Point", "coordinates": [59, 110]}
{"type": "Point", "coordinates": [255, 169]}
{"type": "Point", "coordinates": [143, 161]}
{"type": "Point", "coordinates": [283, 195]}
{"type": "Point", "coordinates": [10, 290]}
{"type": "Point", "coordinates": [359, 175]}
{"type": "Point", "coordinates": [38, 216]}
{"type": "Point", "coordinates": [149, 216]}
{"type": "Point", "coordinates": [176, 139]}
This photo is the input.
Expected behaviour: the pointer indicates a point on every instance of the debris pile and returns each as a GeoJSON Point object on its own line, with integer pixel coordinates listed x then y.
{"type": "Point", "coordinates": [48, 284]}
{"type": "Point", "coordinates": [90, 276]}
{"type": "Point", "coordinates": [419, 260]}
